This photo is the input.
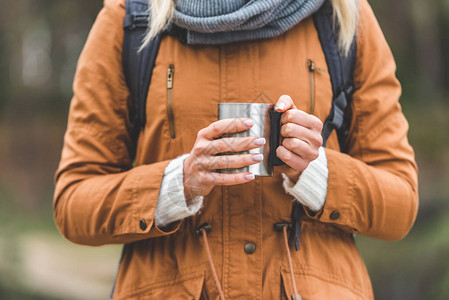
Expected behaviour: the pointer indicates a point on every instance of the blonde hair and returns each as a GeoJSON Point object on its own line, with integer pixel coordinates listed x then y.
{"type": "Point", "coordinates": [161, 14]}
{"type": "Point", "coordinates": [345, 16]}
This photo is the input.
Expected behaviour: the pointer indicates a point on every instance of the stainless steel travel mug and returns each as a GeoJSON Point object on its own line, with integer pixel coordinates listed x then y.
{"type": "Point", "coordinates": [266, 124]}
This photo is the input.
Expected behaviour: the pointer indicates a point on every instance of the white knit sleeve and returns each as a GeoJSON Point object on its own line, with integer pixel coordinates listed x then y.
{"type": "Point", "coordinates": [171, 203]}
{"type": "Point", "coordinates": [311, 188]}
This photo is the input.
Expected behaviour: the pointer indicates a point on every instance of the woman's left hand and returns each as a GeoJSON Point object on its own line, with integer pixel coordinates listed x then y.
{"type": "Point", "coordinates": [301, 135]}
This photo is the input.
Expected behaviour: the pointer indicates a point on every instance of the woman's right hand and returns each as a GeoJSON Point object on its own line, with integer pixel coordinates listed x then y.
{"type": "Point", "coordinates": [200, 166]}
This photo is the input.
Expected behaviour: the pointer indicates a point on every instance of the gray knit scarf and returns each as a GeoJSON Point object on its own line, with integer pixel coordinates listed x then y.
{"type": "Point", "coordinates": [225, 21]}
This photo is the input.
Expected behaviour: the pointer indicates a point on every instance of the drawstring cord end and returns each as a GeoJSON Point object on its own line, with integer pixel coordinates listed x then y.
{"type": "Point", "coordinates": [283, 227]}
{"type": "Point", "coordinates": [204, 230]}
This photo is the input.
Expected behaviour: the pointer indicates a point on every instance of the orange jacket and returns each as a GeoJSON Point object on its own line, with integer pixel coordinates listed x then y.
{"type": "Point", "coordinates": [101, 197]}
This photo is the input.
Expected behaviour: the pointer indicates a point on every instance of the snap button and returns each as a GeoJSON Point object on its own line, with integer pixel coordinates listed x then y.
{"type": "Point", "coordinates": [335, 215]}
{"type": "Point", "coordinates": [143, 224]}
{"type": "Point", "coordinates": [250, 248]}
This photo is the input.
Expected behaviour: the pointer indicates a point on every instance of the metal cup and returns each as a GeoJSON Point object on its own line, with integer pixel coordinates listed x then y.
{"type": "Point", "coordinates": [266, 124]}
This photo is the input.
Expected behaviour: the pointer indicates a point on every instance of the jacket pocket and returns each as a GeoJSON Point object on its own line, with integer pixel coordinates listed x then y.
{"type": "Point", "coordinates": [312, 70]}
{"type": "Point", "coordinates": [188, 287]}
{"type": "Point", "coordinates": [287, 287]}
{"type": "Point", "coordinates": [170, 114]}
{"type": "Point", "coordinates": [310, 285]}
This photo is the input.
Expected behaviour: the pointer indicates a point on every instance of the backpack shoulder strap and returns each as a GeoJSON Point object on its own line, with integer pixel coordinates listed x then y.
{"type": "Point", "coordinates": [138, 66]}
{"type": "Point", "coordinates": [341, 69]}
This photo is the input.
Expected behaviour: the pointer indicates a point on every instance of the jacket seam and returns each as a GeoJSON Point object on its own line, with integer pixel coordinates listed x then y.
{"type": "Point", "coordinates": [133, 196]}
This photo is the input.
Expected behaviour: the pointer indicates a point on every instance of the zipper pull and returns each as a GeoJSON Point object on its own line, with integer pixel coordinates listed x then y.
{"type": "Point", "coordinates": [170, 115]}
{"type": "Point", "coordinates": [312, 66]}
{"type": "Point", "coordinates": [170, 73]}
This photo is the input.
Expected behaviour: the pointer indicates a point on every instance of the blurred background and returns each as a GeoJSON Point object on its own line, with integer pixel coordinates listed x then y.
{"type": "Point", "coordinates": [40, 41]}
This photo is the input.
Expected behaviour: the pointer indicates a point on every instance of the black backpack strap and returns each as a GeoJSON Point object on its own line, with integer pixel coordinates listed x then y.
{"type": "Point", "coordinates": [138, 66]}
{"type": "Point", "coordinates": [341, 69]}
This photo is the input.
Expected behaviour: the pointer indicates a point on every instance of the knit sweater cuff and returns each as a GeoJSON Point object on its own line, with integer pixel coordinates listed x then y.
{"type": "Point", "coordinates": [171, 203]}
{"type": "Point", "coordinates": [311, 188]}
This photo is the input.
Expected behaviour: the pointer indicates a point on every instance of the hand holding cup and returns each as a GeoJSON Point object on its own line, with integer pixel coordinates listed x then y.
{"type": "Point", "coordinates": [301, 133]}
{"type": "Point", "coordinates": [200, 167]}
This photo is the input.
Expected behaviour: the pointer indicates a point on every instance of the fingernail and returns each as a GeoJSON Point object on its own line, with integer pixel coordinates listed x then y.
{"type": "Point", "coordinates": [260, 141]}
{"type": "Point", "coordinates": [258, 157]}
{"type": "Point", "coordinates": [249, 176]}
{"type": "Point", "coordinates": [248, 123]}
{"type": "Point", "coordinates": [280, 105]}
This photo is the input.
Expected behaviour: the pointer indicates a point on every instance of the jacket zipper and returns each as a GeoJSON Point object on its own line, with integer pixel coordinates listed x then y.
{"type": "Point", "coordinates": [312, 69]}
{"type": "Point", "coordinates": [170, 115]}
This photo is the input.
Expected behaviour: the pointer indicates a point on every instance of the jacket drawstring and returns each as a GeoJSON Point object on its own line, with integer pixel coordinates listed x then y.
{"type": "Point", "coordinates": [283, 227]}
{"type": "Point", "coordinates": [204, 229]}
{"type": "Point", "coordinates": [290, 264]}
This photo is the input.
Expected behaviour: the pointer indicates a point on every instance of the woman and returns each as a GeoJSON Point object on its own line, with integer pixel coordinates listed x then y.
{"type": "Point", "coordinates": [157, 205]}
